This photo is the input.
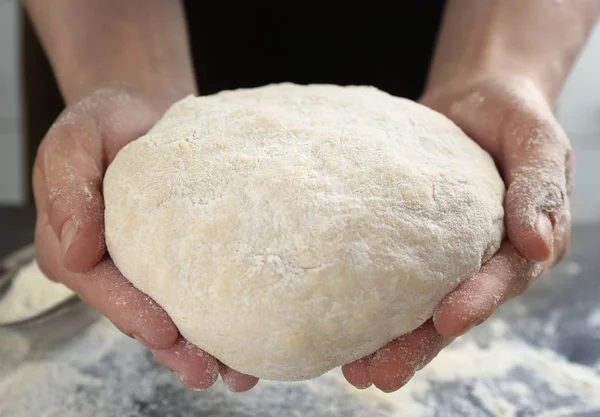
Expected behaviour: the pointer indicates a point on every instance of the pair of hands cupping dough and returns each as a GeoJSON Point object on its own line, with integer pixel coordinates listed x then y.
{"type": "Point", "coordinates": [287, 255]}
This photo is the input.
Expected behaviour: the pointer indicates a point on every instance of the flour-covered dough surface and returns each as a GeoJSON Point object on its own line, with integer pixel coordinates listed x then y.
{"type": "Point", "coordinates": [291, 229]}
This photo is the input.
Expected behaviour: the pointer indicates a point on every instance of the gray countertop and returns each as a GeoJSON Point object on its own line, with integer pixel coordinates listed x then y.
{"type": "Point", "coordinates": [539, 356]}
{"type": "Point", "coordinates": [16, 228]}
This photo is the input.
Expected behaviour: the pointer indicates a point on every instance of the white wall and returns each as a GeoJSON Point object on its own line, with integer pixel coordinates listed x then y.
{"type": "Point", "coordinates": [11, 155]}
{"type": "Point", "coordinates": [579, 113]}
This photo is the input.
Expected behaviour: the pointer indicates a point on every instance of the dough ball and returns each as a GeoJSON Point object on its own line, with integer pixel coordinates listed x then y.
{"type": "Point", "coordinates": [289, 229]}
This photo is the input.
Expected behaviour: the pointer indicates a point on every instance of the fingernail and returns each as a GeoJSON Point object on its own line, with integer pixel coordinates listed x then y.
{"type": "Point", "coordinates": [67, 236]}
{"type": "Point", "coordinates": [543, 226]}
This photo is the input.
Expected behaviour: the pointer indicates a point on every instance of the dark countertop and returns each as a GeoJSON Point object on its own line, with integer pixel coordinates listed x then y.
{"type": "Point", "coordinates": [16, 228]}
{"type": "Point", "coordinates": [102, 373]}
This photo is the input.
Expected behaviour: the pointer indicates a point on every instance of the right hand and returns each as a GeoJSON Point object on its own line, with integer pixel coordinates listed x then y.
{"type": "Point", "coordinates": [69, 237]}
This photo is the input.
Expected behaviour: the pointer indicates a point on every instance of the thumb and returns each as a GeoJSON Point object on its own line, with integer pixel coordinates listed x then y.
{"type": "Point", "coordinates": [537, 164]}
{"type": "Point", "coordinates": [70, 167]}
{"type": "Point", "coordinates": [67, 186]}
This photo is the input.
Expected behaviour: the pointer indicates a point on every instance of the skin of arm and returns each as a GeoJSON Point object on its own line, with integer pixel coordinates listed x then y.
{"type": "Point", "coordinates": [537, 39]}
{"type": "Point", "coordinates": [94, 43]}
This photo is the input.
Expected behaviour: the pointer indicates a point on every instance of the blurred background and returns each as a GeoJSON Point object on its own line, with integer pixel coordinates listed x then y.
{"type": "Point", "coordinates": [578, 111]}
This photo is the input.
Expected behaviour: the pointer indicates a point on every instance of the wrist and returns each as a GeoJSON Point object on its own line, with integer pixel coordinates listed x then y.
{"type": "Point", "coordinates": [138, 43]}
{"type": "Point", "coordinates": [536, 39]}
{"type": "Point", "coordinates": [499, 62]}
{"type": "Point", "coordinates": [458, 76]}
{"type": "Point", "coordinates": [159, 96]}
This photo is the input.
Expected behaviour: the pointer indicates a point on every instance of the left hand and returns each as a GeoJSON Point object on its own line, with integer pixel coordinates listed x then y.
{"type": "Point", "coordinates": [510, 118]}
{"type": "Point", "coordinates": [67, 184]}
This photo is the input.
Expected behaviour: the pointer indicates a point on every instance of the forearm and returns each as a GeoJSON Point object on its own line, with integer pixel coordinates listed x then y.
{"type": "Point", "coordinates": [539, 39]}
{"type": "Point", "coordinates": [140, 44]}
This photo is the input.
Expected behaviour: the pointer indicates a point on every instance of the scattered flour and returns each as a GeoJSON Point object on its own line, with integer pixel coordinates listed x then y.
{"type": "Point", "coordinates": [573, 269]}
{"type": "Point", "coordinates": [29, 294]}
{"type": "Point", "coordinates": [593, 319]}
{"type": "Point", "coordinates": [550, 385]}
{"type": "Point", "coordinates": [107, 374]}
{"type": "Point", "coordinates": [550, 325]}
{"type": "Point", "coordinates": [498, 328]}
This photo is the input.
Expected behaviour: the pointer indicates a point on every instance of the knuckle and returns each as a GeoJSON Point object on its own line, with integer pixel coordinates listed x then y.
{"type": "Point", "coordinates": [117, 294]}
{"type": "Point", "coordinates": [516, 88]}
{"type": "Point", "coordinates": [553, 199]}
{"type": "Point", "coordinates": [539, 189]}
{"type": "Point", "coordinates": [521, 84]}
{"type": "Point", "coordinates": [531, 123]}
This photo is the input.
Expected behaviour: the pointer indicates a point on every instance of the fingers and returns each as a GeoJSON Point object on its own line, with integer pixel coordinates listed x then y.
{"type": "Point", "coordinates": [103, 287]}
{"type": "Point", "coordinates": [236, 381]}
{"type": "Point", "coordinates": [198, 370]}
{"type": "Point", "coordinates": [503, 277]}
{"type": "Point", "coordinates": [358, 373]}
{"type": "Point", "coordinates": [195, 368]}
{"type": "Point", "coordinates": [394, 365]}
{"type": "Point", "coordinates": [68, 178]}
{"type": "Point", "coordinates": [536, 170]}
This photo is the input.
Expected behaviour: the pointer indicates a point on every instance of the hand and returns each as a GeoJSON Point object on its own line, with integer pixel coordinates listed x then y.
{"type": "Point", "coordinates": [69, 238]}
{"type": "Point", "coordinates": [511, 119]}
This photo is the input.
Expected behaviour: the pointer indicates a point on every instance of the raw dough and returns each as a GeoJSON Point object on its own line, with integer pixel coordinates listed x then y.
{"type": "Point", "coordinates": [291, 229]}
